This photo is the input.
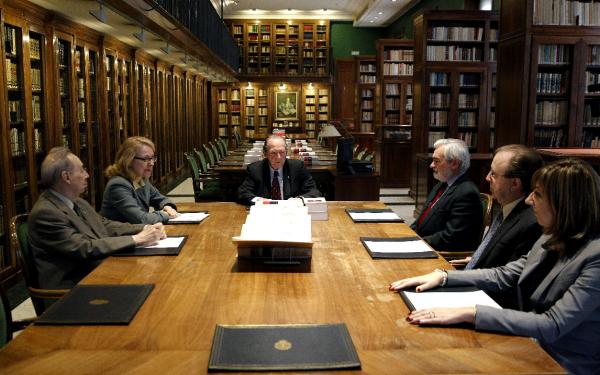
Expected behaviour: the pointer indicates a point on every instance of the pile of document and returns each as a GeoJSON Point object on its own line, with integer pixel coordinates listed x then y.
{"type": "Point", "coordinates": [276, 229]}
{"type": "Point", "coordinates": [317, 208]}
{"type": "Point", "coordinates": [255, 153]}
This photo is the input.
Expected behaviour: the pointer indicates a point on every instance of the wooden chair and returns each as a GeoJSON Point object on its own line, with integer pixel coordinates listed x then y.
{"type": "Point", "coordinates": [487, 203]}
{"type": "Point", "coordinates": [212, 160]}
{"type": "Point", "coordinates": [205, 189]}
{"type": "Point", "coordinates": [19, 241]}
{"type": "Point", "coordinates": [203, 167]}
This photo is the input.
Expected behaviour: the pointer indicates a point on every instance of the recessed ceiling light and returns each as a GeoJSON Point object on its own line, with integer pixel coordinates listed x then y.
{"type": "Point", "coordinates": [375, 17]}
{"type": "Point", "coordinates": [379, 13]}
{"type": "Point", "coordinates": [371, 21]}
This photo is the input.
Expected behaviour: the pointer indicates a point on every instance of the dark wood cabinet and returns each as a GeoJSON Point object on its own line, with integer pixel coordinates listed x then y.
{"type": "Point", "coordinates": [548, 71]}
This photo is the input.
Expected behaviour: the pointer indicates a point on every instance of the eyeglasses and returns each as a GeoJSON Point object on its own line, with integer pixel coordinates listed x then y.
{"type": "Point", "coordinates": [495, 175]}
{"type": "Point", "coordinates": [149, 159]}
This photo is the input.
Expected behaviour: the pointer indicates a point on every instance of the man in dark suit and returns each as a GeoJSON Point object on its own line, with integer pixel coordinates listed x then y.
{"type": "Point", "coordinates": [276, 177]}
{"type": "Point", "coordinates": [452, 215]}
{"type": "Point", "coordinates": [68, 238]}
{"type": "Point", "coordinates": [513, 229]}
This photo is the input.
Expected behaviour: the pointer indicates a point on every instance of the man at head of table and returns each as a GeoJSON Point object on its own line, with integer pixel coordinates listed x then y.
{"type": "Point", "coordinates": [68, 238]}
{"type": "Point", "coordinates": [276, 177]}
{"type": "Point", "coordinates": [451, 217]}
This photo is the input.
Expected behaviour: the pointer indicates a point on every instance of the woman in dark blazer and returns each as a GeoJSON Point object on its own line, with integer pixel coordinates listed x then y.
{"type": "Point", "coordinates": [129, 195]}
{"type": "Point", "coordinates": [557, 282]}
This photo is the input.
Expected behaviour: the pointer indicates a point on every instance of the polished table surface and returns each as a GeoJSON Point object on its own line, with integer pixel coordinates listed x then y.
{"type": "Point", "coordinates": [204, 286]}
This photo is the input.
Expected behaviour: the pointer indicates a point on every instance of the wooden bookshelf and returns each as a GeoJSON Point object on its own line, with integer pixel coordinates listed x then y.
{"type": "Point", "coordinates": [282, 48]}
{"type": "Point", "coordinates": [547, 60]}
{"type": "Point", "coordinates": [366, 94]}
{"type": "Point", "coordinates": [454, 68]}
{"type": "Point", "coordinates": [393, 127]}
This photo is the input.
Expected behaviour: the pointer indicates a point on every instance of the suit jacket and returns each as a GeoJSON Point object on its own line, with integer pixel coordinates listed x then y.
{"type": "Point", "coordinates": [568, 299]}
{"type": "Point", "coordinates": [515, 237]}
{"type": "Point", "coordinates": [66, 246]}
{"type": "Point", "coordinates": [454, 222]}
{"type": "Point", "coordinates": [296, 181]}
{"type": "Point", "coordinates": [122, 202]}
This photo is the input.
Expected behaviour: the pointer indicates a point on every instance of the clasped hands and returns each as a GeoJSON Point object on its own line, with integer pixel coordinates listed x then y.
{"type": "Point", "coordinates": [438, 315]}
{"type": "Point", "coordinates": [150, 235]}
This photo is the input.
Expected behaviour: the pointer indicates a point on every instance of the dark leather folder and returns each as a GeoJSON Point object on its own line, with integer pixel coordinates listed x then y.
{"type": "Point", "coordinates": [149, 251]}
{"type": "Point", "coordinates": [282, 347]}
{"type": "Point", "coordinates": [398, 255]}
{"type": "Point", "coordinates": [97, 305]}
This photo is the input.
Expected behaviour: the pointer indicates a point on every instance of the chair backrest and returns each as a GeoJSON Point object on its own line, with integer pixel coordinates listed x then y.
{"type": "Point", "coordinates": [361, 154]}
{"type": "Point", "coordinates": [238, 138]}
{"type": "Point", "coordinates": [219, 147]}
{"type": "Point", "coordinates": [225, 145]}
{"type": "Point", "coordinates": [5, 320]}
{"type": "Point", "coordinates": [216, 151]}
{"type": "Point", "coordinates": [355, 150]}
{"type": "Point", "coordinates": [193, 165]}
{"type": "Point", "coordinates": [209, 153]}
{"type": "Point", "coordinates": [487, 202]}
{"type": "Point", "coordinates": [21, 252]}
{"type": "Point", "coordinates": [369, 156]}
{"type": "Point", "coordinates": [203, 165]}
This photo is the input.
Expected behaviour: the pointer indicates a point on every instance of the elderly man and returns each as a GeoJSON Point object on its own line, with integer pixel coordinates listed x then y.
{"type": "Point", "coordinates": [452, 215]}
{"type": "Point", "coordinates": [67, 237]}
{"type": "Point", "coordinates": [276, 177]}
{"type": "Point", "coordinates": [514, 229]}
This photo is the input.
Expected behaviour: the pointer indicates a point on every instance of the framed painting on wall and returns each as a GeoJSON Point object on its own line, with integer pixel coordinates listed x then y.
{"type": "Point", "coordinates": [286, 105]}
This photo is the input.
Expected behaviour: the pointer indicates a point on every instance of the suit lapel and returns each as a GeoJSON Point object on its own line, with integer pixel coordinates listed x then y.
{"type": "Point", "coordinates": [441, 201]}
{"type": "Point", "coordinates": [287, 187]}
{"type": "Point", "coordinates": [140, 193]}
{"type": "Point", "coordinates": [77, 221]}
{"type": "Point", "coordinates": [266, 172]}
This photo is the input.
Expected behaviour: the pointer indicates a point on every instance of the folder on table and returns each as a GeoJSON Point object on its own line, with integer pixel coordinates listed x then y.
{"type": "Point", "coordinates": [373, 215]}
{"type": "Point", "coordinates": [188, 218]}
{"type": "Point", "coordinates": [97, 305]}
{"type": "Point", "coordinates": [282, 347]}
{"type": "Point", "coordinates": [398, 248]}
{"type": "Point", "coordinates": [168, 246]}
{"type": "Point", "coordinates": [447, 297]}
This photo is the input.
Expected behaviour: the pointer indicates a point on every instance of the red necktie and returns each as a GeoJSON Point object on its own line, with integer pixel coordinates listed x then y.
{"type": "Point", "coordinates": [275, 189]}
{"type": "Point", "coordinates": [433, 201]}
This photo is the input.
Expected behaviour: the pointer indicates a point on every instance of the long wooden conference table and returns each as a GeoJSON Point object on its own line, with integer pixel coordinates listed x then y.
{"type": "Point", "coordinates": [204, 286]}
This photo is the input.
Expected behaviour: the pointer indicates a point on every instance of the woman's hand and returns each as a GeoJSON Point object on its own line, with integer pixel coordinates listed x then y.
{"type": "Point", "coordinates": [443, 316]}
{"type": "Point", "coordinates": [170, 211]}
{"type": "Point", "coordinates": [423, 282]}
{"type": "Point", "coordinates": [460, 262]}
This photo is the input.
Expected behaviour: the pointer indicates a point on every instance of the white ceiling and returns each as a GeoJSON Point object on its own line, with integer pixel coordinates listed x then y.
{"type": "Point", "coordinates": [363, 13]}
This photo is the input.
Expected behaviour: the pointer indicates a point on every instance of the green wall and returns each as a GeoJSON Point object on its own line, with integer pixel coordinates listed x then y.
{"type": "Point", "coordinates": [345, 38]}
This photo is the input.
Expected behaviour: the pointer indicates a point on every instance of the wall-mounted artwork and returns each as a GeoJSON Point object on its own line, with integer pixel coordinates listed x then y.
{"type": "Point", "coordinates": [286, 105]}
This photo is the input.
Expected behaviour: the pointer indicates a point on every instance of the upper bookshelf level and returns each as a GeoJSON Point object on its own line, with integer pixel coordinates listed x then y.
{"type": "Point", "coordinates": [454, 78]}
{"type": "Point", "coordinates": [282, 48]}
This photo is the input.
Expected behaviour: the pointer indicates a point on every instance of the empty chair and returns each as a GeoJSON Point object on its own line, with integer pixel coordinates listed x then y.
{"type": "Point", "coordinates": [205, 189]}
{"type": "Point", "coordinates": [212, 160]}
{"type": "Point", "coordinates": [203, 167]}
{"type": "Point", "coordinates": [19, 240]}
{"type": "Point", "coordinates": [360, 155]}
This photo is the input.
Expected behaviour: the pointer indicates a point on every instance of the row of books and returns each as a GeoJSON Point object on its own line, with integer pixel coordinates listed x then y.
{"type": "Point", "coordinates": [34, 49]}
{"type": "Point", "coordinates": [594, 55]}
{"type": "Point", "coordinates": [590, 139]}
{"type": "Point", "coordinates": [468, 100]}
{"type": "Point", "coordinates": [36, 79]}
{"type": "Point", "coordinates": [566, 12]}
{"type": "Point", "coordinates": [397, 69]}
{"type": "Point", "coordinates": [467, 119]}
{"type": "Point", "coordinates": [552, 83]}
{"type": "Point", "coordinates": [469, 138]}
{"type": "Point", "coordinates": [554, 54]}
{"type": "Point", "coordinates": [12, 74]}
{"type": "Point", "coordinates": [392, 103]}
{"type": "Point", "coordinates": [455, 33]}
{"type": "Point", "coordinates": [592, 78]}
{"type": "Point", "coordinates": [438, 118]}
{"type": "Point", "coordinates": [439, 100]}
{"type": "Point", "coordinates": [549, 138]}
{"type": "Point", "coordinates": [15, 111]}
{"type": "Point", "coordinates": [469, 79]}
{"type": "Point", "coordinates": [551, 113]}
{"type": "Point", "coordinates": [434, 137]}
{"type": "Point", "coordinates": [392, 118]}
{"type": "Point", "coordinates": [367, 116]}
{"type": "Point", "coordinates": [366, 127]}
{"type": "Point", "coordinates": [17, 142]}
{"type": "Point", "coordinates": [366, 104]}
{"type": "Point", "coordinates": [36, 108]}
{"type": "Point", "coordinates": [398, 55]}
{"type": "Point", "coordinates": [437, 79]}
{"type": "Point", "coordinates": [10, 40]}
{"type": "Point", "coordinates": [454, 53]}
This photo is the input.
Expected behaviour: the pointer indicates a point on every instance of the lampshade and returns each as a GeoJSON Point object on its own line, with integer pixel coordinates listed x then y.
{"type": "Point", "coordinates": [329, 131]}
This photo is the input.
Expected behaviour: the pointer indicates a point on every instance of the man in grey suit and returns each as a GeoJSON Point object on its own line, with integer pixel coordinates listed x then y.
{"type": "Point", "coordinates": [68, 238]}
{"type": "Point", "coordinates": [451, 217]}
{"type": "Point", "coordinates": [513, 228]}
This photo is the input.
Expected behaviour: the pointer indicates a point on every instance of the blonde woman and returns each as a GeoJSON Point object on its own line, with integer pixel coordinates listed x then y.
{"type": "Point", "coordinates": [129, 195]}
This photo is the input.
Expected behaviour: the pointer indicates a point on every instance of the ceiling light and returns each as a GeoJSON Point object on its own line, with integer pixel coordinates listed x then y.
{"type": "Point", "coordinates": [282, 86]}
{"type": "Point", "coordinates": [380, 13]}
{"type": "Point", "coordinates": [371, 21]}
{"type": "Point", "coordinates": [99, 14]}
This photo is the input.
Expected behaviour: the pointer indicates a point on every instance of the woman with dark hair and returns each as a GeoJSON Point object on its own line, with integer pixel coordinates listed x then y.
{"type": "Point", "coordinates": [129, 194]}
{"type": "Point", "coordinates": [557, 282]}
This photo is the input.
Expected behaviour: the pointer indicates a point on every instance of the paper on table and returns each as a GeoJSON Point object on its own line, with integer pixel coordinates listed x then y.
{"type": "Point", "coordinates": [415, 246]}
{"type": "Point", "coordinates": [167, 242]}
{"type": "Point", "coordinates": [431, 299]}
{"type": "Point", "coordinates": [374, 216]}
{"type": "Point", "coordinates": [190, 216]}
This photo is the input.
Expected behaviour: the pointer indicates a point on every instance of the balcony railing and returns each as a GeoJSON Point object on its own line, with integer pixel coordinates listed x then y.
{"type": "Point", "coordinates": [202, 20]}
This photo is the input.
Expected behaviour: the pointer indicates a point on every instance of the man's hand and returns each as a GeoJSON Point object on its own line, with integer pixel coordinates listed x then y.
{"type": "Point", "coordinates": [150, 235]}
{"type": "Point", "coordinates": [461, 262]}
